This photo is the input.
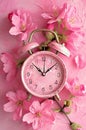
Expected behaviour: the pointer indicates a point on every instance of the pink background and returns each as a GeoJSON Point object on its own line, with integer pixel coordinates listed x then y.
{"type": "Point", "coordinates": [8, 42]}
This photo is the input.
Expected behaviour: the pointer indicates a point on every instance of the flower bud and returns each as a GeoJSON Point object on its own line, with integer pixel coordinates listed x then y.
{"type": "Point", "coordinates": [75, 126]}
{"type": "Point", "coordinates": [67, 103]}
{"type": "Point", "coordinates": [49, 35]}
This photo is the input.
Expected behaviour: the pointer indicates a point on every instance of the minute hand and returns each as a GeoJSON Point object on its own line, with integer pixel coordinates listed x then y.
{"type": "Point", "coordinates": [50, 68]}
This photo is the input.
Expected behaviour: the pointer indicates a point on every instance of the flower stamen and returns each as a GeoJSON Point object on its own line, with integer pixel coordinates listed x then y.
{"type": "Point", "coordinates": [23, 28]}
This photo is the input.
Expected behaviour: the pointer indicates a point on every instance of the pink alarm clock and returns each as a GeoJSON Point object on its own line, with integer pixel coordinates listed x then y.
{"type": "Point", "coordinates": [44, 73]}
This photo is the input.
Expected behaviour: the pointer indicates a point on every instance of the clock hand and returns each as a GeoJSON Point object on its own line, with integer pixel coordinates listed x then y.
{"type": "Point", "coordinates": [50, 68]}
{"type": "Point", "coordinates": [38, 69]}
{"type": "Point", "coordinates": [43, 74]}
{"type": "Point", "coordinates": [44, 66]}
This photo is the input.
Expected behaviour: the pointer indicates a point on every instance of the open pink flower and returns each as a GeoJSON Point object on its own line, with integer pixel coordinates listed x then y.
{"type": "Point", "coordinates": [40, 114]}
{"type": "Point", "coordinates": [75, 88]}
{"type": "Point", "coordinates": [64, 21]}
{"type": "Point", "coordinates": [80, 61]}
{"type": "Point", "coordinates": [22, 23]}
{"type": "Point", "coordinates": [73, 41]}
{"type": "Point", "coordinates": [55, 15]}
{"type": "Point", "coordinates": [67, 15]}
{"type": "Point", "coordinates": [17, 103]}
{"type": "Point", "coordinates": [9, 65]}
{"type": "Point", "coordinates": [72, 18]}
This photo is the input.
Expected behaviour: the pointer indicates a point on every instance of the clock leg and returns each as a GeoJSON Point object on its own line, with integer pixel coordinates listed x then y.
{"type": "Point", "coordinates": [30, 51]}
{"type": "Point", "coordinates": [57, 52]}
{"type": "Point", "coordinates": [57, 97]}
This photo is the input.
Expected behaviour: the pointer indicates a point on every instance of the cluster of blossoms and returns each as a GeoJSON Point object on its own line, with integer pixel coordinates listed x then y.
{"type": "Point", "coordinates": [63, 21]}
{"type": "Point", "coordinates": [30, 109]}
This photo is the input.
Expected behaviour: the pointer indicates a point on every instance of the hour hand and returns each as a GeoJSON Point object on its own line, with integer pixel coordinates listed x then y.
{"type": "Point", "coordinates": [37, 68]}
{"type": "Point", "coordinates": [50, 68]}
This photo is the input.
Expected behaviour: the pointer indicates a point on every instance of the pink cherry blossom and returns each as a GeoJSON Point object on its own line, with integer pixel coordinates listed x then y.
{"type": "Point", "coordinates": [67, 15]}
{"type": "Point", "coordinates": [50, 26]}
{"type": "Point", "coordinates": [73, 41]}
{"type": "Point", "coordinates": [55, 15]}
{"type": "Point", "coordinates": [64, 22]}
{"type": "Point", "coordinates": [72, 18]}
{"type": "Point", "coordinates": [80, 61]}
{"type": "Point", "coordinates": [75, 88]}
{"type": "Point", "coordinates": [17, 103]}
{"type": "Point", "coordinates": [9, 65]}
{"type": "Point", "coordinates": [22, 23]}
{"type": "Point", "coordinates": [40, 114]}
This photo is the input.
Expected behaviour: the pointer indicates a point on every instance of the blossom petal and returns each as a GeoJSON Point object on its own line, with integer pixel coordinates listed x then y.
{"type": "Point", "coordinates": [35, 107]}
{"type": "Point", "coordinates": [83, 88]}
{"type": "Point", "coordinates": [52, 21]}
{"type": "Point", "coordinates": [9, 107]}
{"type": "Point", "coordinates": [24, 36]}
{"type": "Point", "coordinates": [49, 115]}
{"type": "Point", "coordinates": [9, 65]}
{"type": "Point", "coordinates": [15, 20]}
{"type": "Point", "coordinates": [17, 114]}
{"type": "Point", "coordinates": [29, 118]}
{"type": "Point", "coordinates": [11, 75]}
{"type": "Point", "coordinates": [62, 12]}
{"type": "Point", "coordinates": [11, 96]}
{"type": "Point", "coordinates": [21, 94]}
{"type": "Point", "coordinates": [4, 57]}
{"type": "Point", "coordinates": [80, 61]}
{"type": "Point", "coordinates": [47, 104]}
{"type": "Point", "coordinates": [14, 31]}
{"type": "Point", "coordinates": [31, 99]}
{"type": "Point", "coordinates": [46, 16]}
{"type": "Point", "coordinates": [36, 123]}
{"type": "Point", "coordinates": [47, 110]}
{"type": "Point", "coordinates": [75, 88]}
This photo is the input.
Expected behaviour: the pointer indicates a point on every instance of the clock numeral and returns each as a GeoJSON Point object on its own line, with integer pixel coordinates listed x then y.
{"type": "Point", "coordinates": [56, 82]}
{"type": "Point", "coordinates": [58, 74]}
{"type": "Point", "coordinates": [30, 81]}
{"type": "Point", "coordinates": [36, 86]}
{"type": "Point", "coordinates": [43, 58]}
{"type": "Point", "coordinates": [43, 89]}
{"type": "Point", "coordinates": [31, 66]}
{"type": "Point", "coordinates": [28, 74]}
{"type": "Point", "coordinates": [50, 87]}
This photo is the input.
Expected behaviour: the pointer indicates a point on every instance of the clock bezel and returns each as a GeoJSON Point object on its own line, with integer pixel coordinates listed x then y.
{"type": "Point", "coordinates": [61, 62]}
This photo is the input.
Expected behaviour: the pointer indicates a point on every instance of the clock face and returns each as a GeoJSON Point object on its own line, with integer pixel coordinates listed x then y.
{"type": "Point", "coordinates": [43, 74]}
